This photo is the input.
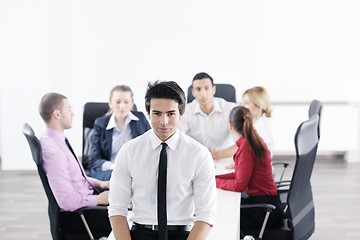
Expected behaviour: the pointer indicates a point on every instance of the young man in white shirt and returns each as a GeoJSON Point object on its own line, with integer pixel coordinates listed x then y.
{"type": "Point", "coordinates": [190, 190]}
{"type": "Point", "coordinates": [206, 118]}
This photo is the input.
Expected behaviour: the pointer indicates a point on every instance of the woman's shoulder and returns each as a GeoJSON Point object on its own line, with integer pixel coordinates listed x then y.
{"type": "Point", "coordinates": [102, 120]}
{"type": "Point", "coordinates": [139, 114]}
{"type": "Point", "coordinates": [243, 145]}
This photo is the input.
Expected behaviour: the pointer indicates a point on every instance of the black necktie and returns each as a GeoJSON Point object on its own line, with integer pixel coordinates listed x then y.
{"type": "Point", "coordinates": [161, 208]}
{"type": "Point", "coordinates": [96, 191]}
{"type": "Point", "coordinates": [73, 153]}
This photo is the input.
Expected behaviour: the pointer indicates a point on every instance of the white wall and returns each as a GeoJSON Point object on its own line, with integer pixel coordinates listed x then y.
{"type": "Point", "coordinates": [83, 48]}
{"type": "Point", "coordinates": [337, 137]}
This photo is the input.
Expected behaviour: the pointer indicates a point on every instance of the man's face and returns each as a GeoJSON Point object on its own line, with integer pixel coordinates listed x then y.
{"type": "Point", "coordinates": [66, 115]}
{"type": "Point", "coordinates": [164, 115]}
{"type": "Point", "coordinates": [203, 91]}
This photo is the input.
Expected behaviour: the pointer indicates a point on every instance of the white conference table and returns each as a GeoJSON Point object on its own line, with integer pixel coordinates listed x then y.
{"type": "Point", "coordinates": [227, 221]}
{"type": "Point", "coordinates": [228, 205]}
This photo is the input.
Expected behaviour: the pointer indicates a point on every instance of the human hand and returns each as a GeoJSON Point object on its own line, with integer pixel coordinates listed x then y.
{"type": "Point", "coordinates": [103, 198]}
{"type": "Point", "coordinates": [216, 155]}
{"type": "Point", "coordinates": [104, 184]}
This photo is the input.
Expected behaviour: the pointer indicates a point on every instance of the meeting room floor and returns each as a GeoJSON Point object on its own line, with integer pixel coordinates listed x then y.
{"type": "Point", "coordinates": [336, 189]}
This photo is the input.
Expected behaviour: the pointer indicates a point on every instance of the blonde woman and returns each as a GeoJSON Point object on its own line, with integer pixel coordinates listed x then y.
{"type": "Point", "coordinates": [257, 100]}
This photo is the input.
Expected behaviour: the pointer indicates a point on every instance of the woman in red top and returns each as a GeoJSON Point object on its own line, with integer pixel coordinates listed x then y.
{"type": "Point", "coordinates": [253, 173]}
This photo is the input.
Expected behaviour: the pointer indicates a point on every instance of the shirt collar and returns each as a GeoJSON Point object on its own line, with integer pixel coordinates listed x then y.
{"type": "Point", "coordinates": [217, 108]}
{"type": "Point", "coordinates": [59, 136]}
{"type": "Point", "coordinates": [171, 142]}
{"type": "Point", "coordinates": [112, 124]}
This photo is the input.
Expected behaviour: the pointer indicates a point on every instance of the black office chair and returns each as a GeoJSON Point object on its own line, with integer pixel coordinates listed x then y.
{"type": "Point", "coordinates": [223, 90]}
{"type": "Point", "coordinates": [299, 222]}
{"type": "Point", "coordinates": [92, 110]}
{"type": "Point", "coordinates": [58, 231]}
{"type": "Point", "coordinates": [315, 107]}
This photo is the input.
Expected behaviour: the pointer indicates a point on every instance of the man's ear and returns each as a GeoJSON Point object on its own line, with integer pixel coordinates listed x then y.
{"type": "Point", "coordinates": [56, 114]}
{"type": "Point", "coordinates": [214, 87]}
{"type": "Point", "coordinates": [182, 113]}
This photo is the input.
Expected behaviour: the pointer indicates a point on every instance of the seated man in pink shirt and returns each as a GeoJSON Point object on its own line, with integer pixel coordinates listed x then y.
{"type": "Point", "coordinates": [70, 185]}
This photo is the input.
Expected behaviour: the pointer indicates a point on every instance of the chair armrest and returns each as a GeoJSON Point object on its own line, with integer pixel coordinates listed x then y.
{"type": "Point", "coordinates": [283, 185]}
{"type": "Point", "coordinates": [285, 164]}
{"type": "Point", "coordinates": [84, 209]}
{"type": "Point", "coordinates": [269, 207]}
{"type": "Point", "coordinates": [283, 182]}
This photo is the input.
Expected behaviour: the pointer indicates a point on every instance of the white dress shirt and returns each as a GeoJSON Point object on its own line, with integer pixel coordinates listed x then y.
{"type": "Point", "coordinates": [262, 126]}
{"type": "Point", "coordinates": [191, 188]}
{"type": "Point", "coordinates": [210, 130]}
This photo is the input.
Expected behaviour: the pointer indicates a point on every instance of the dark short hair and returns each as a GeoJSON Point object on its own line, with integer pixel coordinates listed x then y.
{"type": "Point", "coordinates": [49, 103]}
{"type": "Point", "coordinates": [203, 75]}
{"type": "Point", "coordinates": [167, 90]}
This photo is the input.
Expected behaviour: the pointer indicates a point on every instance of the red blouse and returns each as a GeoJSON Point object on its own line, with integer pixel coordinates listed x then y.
{"type": "Point", "coordinates": [250, 176]}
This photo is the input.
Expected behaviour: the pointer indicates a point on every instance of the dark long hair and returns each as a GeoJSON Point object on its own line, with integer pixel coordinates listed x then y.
{"type": "Point", "coordinates": [241, 120]}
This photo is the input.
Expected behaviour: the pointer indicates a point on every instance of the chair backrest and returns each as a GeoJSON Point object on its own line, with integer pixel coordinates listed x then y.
{"type": "Point", "coordinates": [299, 222]}
{"type": "Point", "coordinates": [92, 110]}
{"type": "Point", "coordinates": [53, 207]}
{"type": "Point", "coordinates": [316, 108]}
{"type": "Point", "coordinates": [223, 90]}
{"type": "Point", "coordinates": [301, 210]}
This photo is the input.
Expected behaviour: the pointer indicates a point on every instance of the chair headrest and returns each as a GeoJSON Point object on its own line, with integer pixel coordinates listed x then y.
{"type": "Point", "coordinates": [28, 130]}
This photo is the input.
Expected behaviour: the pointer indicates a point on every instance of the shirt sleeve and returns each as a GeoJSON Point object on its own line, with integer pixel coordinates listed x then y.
{"type": "Point", "coordinates": [238, 180]}
{"type": "Point", "coordinates": [205, 195]}
{"type": "Point", "coordinates": [93, 181]}
{"type": "Point", "coordinates": [95, 156]}
{"type": "Point", "coordinates": [120, 185]}
{"type": "Point", "coordinates": [225, 176]}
